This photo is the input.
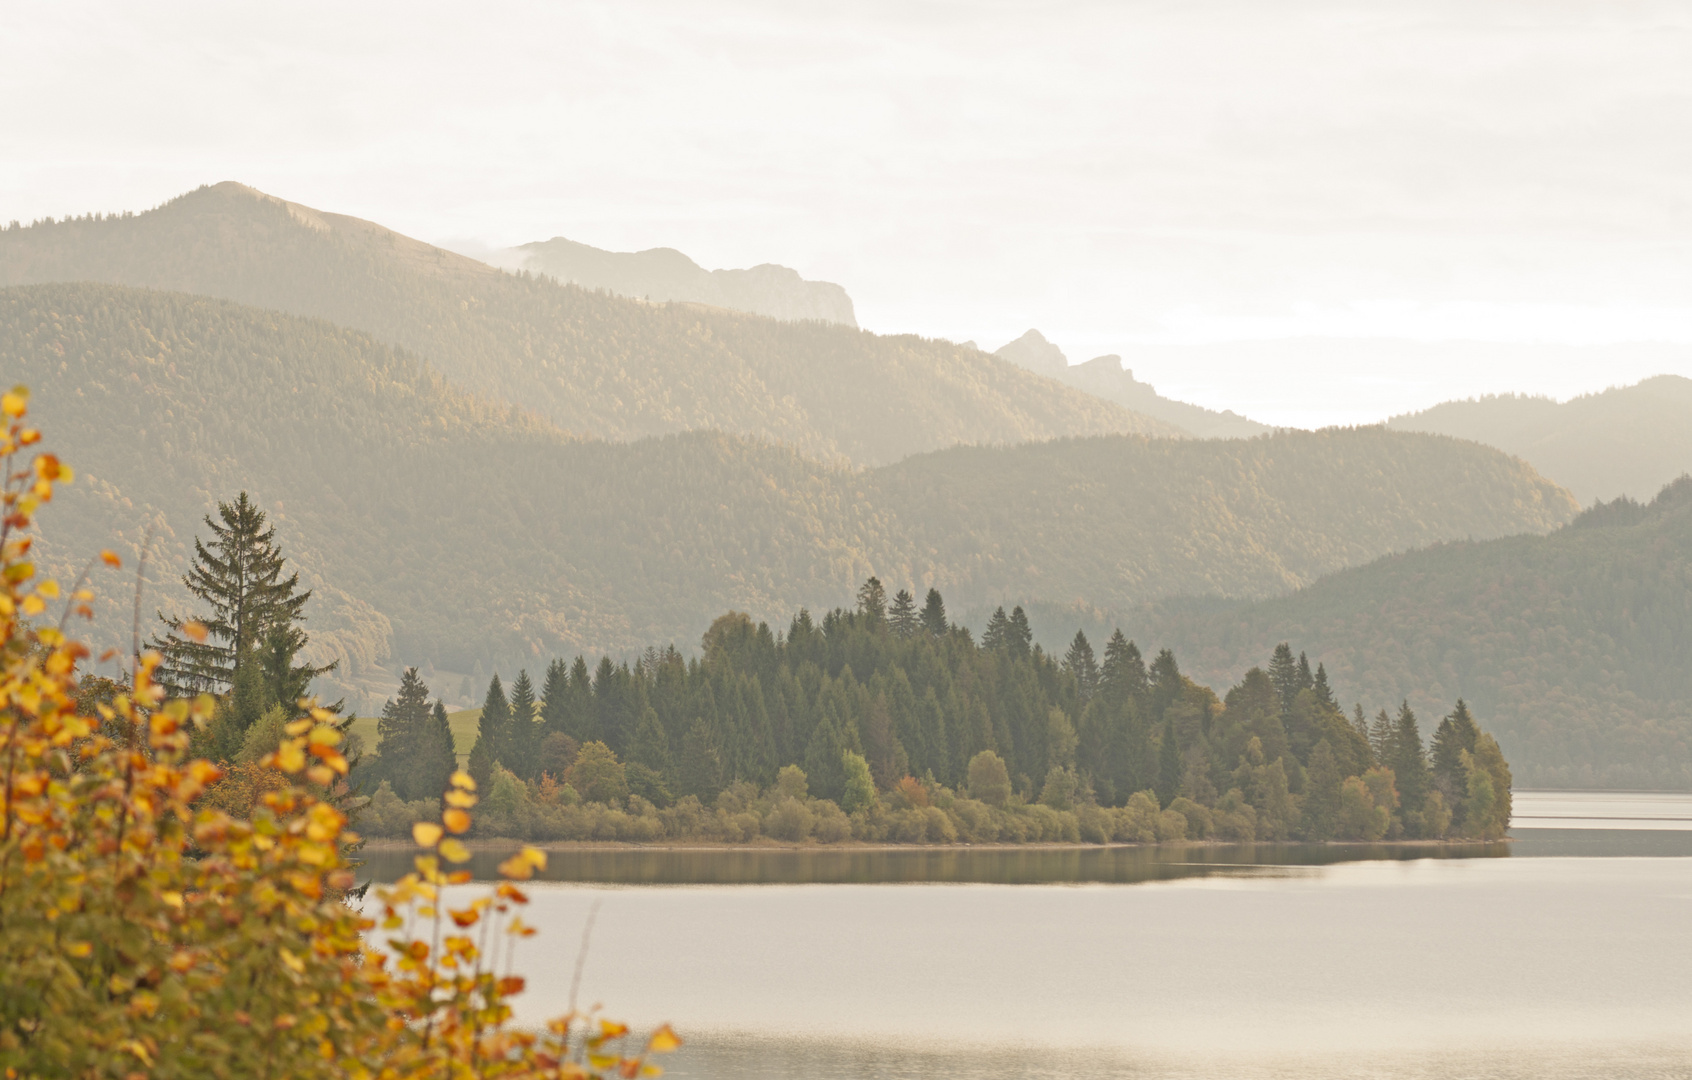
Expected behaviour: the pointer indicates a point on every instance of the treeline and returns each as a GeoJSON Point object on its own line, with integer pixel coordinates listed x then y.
{"type": "Point", "coordinates": [889, 722]}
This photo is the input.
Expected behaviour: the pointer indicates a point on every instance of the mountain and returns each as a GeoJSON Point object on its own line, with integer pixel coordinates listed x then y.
{"type": "Point", "coordinates": [589, 362]}
{"type": "Point", "coordinates": [1570, 647]}
{"type": "Point", "coordinates": [664, 274]}
{"type": "Point", "coordinates": [1104, 377]}
{"type": "Point", "coordinates": [1625, 441]}
{"type": "Point", "coordinates": [439, 527]}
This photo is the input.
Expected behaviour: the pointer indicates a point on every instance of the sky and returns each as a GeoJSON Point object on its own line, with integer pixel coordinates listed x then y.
{"type": "Point", "coordinates": [1307, 212]}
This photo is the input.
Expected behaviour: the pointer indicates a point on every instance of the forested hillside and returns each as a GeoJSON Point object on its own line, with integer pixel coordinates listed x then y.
{"type": "Point", "coordinates": [666, 274]}
{"type": "Point", "coordinates": [439, 527]}
{"type": "Point", "coordinates": [1628, 440]}
{"type": "Point", "coordinates": [592, 363]}
{"type": "Point", "coordinates": [1570, 647]}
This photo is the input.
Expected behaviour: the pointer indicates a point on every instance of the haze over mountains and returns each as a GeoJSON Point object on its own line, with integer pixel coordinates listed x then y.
{"type": "Point", "coordinates": [663, 274]}
{"type": "Point", "coordinates": [592, 363]}
{"type": "Point", "coordinates": [474, 467]}
{"type": "Point", "coordinates": [463, 531]}
{"type": "Point", "coordinates": [1628, 440]}
{"type": "Point", "coordinates": [1104, 377]}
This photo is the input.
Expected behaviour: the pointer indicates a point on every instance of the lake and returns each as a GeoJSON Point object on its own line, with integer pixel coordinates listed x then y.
{"type": "Point", "coordinates": [1563, 954]}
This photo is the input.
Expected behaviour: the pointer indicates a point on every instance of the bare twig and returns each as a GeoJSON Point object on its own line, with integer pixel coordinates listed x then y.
{"type": "Point", "coordinates": [581, 955]}
{"type": "Point", "coordinates": [140, 584]}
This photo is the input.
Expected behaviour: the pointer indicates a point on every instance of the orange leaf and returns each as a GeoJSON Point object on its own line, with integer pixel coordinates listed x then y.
{"type": "Point", "coordinates": [456, 820]}
{"type": "Point", "coordinates": [194, 631]}
{"type": "Point", "coordinates": [110, 558]}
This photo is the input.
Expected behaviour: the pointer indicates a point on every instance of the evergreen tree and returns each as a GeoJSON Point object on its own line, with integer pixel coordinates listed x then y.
{"type": "Point", "coordinates": [400, 734]}
{"type": "Point", "coordinates": [1305, 679]}
{"type": "Point", "coordinates": [481, 765]}
{"type": "Point", "coordinates": [1123, 674]}
{"type": "Point", "coordinates": [1381, 738]}
{"type": "Point", "coordinates": [1079, 662]}
{"type": "Point", "coordinates": [872, 602]}
{"type": "Point", "coordinates": [437, 756]}
{"type": "Point", "coordinates": [1283, 673]}
{"type": "Point", "coordinates": [1322, 795]}
{"type": "Point", "coordinates": [239, 577]}
{"type": "Point", "coordinates": [1018, 637]}
{"type": "Point", "coordinates": [651, 745]}
{"type": "Point", "coordinates": [494, 727]}
{"type": "Point", "coordinates": [1168, 766]}
{"type": "Point", "coordinates": [701, 764]}
{"type": "Point", "coordinates": [1324, 695]}
{"type": "Point", "coordinates": [1456, 733]}
{"type": "Point", "coordinates": [555, 698]}
{"type": "Point", "coordinates": [997, 634]}
{"type": "Point", "coordinates": [1409, 762]}
{"type": "Point", "coordinates": [522, 743]}
{"type": "Point", "coordinates": [934, 614]}
{"type": "Point", "coordinates": [902, 618]}
{"type": "Point", "coordinates": [1165, 681]}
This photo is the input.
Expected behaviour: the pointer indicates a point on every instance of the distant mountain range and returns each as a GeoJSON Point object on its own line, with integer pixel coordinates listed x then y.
{"type": "Point", "coordinates": [1105, 378]}
{"type": "Point", "coordinates": [442, 527]}
{"type": "Point", "coordinates": [665, 274]}
{"type": "Point", "coordinates": [589, 362]}
{"type": "Point", "coordinates": [1625, 441]}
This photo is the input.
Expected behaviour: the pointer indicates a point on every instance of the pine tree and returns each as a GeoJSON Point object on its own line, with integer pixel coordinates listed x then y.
{"type": "Point", "coordinates": [437, 756]}
{"type": "Point", "coordinates": [1381, 738]}
{"type": "Point", "coordinates": [1079, 662]}
{"type": "Point", "coordinates": [555, 698]}
{"type": "Point", "coordinates": [1305, 679]}
{"type": "Point", "coordinates": [872, 602]}
{"type": "Point", "coordinates": [1456, 733]}
{"type": "Point", "coordinates": [1020, 638]}
{"type": "Point", "coordinates": [1283, 672]}
{"type": "Point", "coordinates": [239, 576]}
{"type": "Point", "coordinates": [1324, 694]}
{"type": "Point", "coordinates": [1409, 762]}
{"type": "Point", "coordinates": [902, 618]}
{"type": "Point", "coordinates": [522, 742]}
{"type": "Point", "coordinates": [400, 734]}
{"type": "Point", "coordinates": [997, 634]}
{"type": "Point", "coordinates": [1168, 766]}
{"type": "Point", "coordinates": [1123, 674]}
{"type": "Point", "coordinates": [934, 614]}
{"type": "Point", "coordinates": [651, 745]}
{"type": "Point", "coordinates": [494, 727]}
{"type": "Point", "coordinates": [701, 764]}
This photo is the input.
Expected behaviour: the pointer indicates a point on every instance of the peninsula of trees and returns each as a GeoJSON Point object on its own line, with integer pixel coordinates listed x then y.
{"type": "Point", "coordinates": [889, 723]}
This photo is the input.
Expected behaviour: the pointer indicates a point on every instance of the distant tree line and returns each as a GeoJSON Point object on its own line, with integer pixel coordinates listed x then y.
{"type": "Point", "coordinates": [889, 710]}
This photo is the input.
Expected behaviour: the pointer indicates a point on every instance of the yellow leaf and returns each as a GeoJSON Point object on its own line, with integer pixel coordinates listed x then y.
{"type": "Point", "coordinates": [664, 1040]}
{"type": "Point", "coordinates": [324, 736]}
{"type": "Point", "coordinates": [49, 589]}
{"type": "Point", "coordinates": [298, 727]}
{"type": "Point", "coordinates": [456, 820]}
{"type": "Point", "coordinates": [426, 833]}
{"type": "Point", "coordinates": [461, 799]}
{"type": "Point", "coordinates": [290, 757]}
{"type": "Point", "coordinates": [453, 850]}
{"type": "Point", "coordinates": [535, 857]}
{"type": "Point", "coordinates": [79, 949]}
{"type": "Point", "coordinates": [462, 779]}
{"type": "Point", "coordinates": [15, 402]}
{"type": "Point", "coordinates": [295, 964]}
{"type": "Point", "coordinates": [32, 605]}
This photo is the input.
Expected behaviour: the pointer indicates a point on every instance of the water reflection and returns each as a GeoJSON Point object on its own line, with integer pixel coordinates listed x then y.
{"type": "Point", "coordinates": [998, 866]}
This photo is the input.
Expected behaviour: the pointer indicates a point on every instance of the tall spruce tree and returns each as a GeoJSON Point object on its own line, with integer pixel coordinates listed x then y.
{"type": "Point", "coordinates": [1409, 763]}
{"type": "Point", "coordinates": [1123, 674]}
{"type": "Point", "coordinates": [934, 614]}
{"type": "Point", "coordinates": [872, 602]}
{"type": "Point", "coordinates": [997, 634]}
{"type": "Point", "coordinates": [1283, 673]}
{"type": "Point", "coordinates": [1080, 662]}
{"type": "Point", "coordinates": [1020, 637]}
{"type": "Point", "coordinates": [1324, 694]}
{"type": "Point", "coordinates": [493, 729]}
{"type": "Point", "coordinates": [1168, 766]}
{"type": "Point", "coordinates": [238, 575]}
{"type": "Point", "coordinates": [437, 756]}
{"type": "Point", "coordinates": [522, 740]}
{"type": "Point", "coordinates": [902, 616]}
{"type": "Point", "coordinates": [555, 698]}
{"type": "Point", "coordinates": [1456, 734]}
{"type": "Point", "coordinates": [400, 735]}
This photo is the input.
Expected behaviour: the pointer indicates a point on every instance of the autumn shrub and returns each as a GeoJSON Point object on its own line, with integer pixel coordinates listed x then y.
{"type": "Point", "coordinates": [150, 929]}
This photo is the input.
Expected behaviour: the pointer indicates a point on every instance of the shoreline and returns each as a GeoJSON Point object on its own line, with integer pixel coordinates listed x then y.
{"type": "Point", "coordinates": [504, 844]}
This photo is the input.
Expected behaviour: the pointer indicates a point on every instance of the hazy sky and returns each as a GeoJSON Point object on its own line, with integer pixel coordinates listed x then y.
{"type": "Point", "coordinates": [1138, 178]}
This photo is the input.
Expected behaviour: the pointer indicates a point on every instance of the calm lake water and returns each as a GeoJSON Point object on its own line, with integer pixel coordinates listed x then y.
{"type": "Point", "coordinates": [1567, 953]}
